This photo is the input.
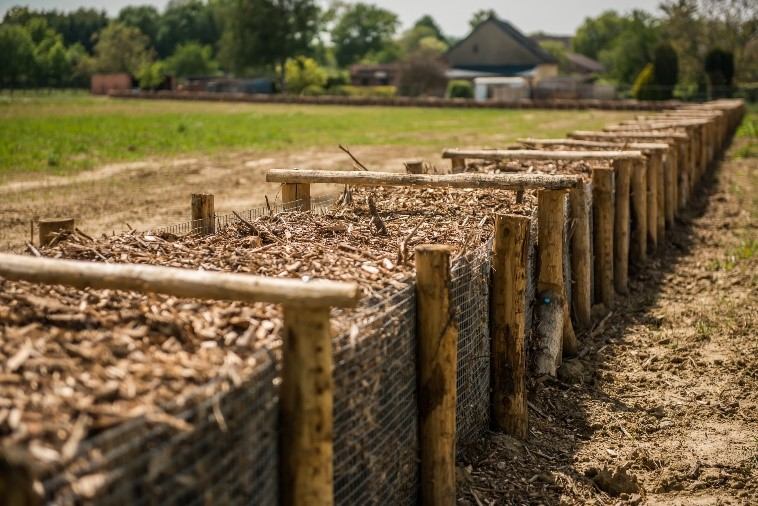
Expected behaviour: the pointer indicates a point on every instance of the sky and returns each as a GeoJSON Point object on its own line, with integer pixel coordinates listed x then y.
{"type": "Point", "coordinates": [551, 16]}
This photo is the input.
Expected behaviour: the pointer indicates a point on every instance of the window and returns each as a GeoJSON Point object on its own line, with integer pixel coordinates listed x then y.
{"type": "Point", "coordinates": [475, 48]}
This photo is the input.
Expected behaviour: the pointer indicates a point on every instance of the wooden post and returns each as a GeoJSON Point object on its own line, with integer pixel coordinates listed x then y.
{"type": "Point", "coordinates": [306, 399]}
{"type": "Point", "coordinates": [653, 168]}
{"type": "Point", "coordinates": [437, 335]}
{"type": "Point", "coordinates": [414, 166]}
{"type": "Point", "coordinates": [673, 159]}
{"type": "Point", "coordinates": [508, 338]}
{"type": "Point", "coordinates": [684, 181]}
{"type": "Point", "coordinates": [458, 165]}
{"type": "Point", "coordinates": [48, 227]}
{"type": "Point", "coordinates": [581, 256]}
{"type": "Point", "coordinates": [660, 200]}
{"type": "Point", "coordinates": [203, 214]}
{"type": "Point", "coordinates": [621, 227]}
{"type": "Point", "coordinates": [669, 193]}
{"type": "Point", "coordinates": [639, 209]}
{"type": "Point", "coordinates": [555, 329]}
{"type": "Point", "coordinates": [603, 186]}
{"type": "Point", "coordinates": [296, 196]}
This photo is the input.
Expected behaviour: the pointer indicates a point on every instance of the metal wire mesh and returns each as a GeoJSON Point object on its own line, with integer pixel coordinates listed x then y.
{"type": "Point", "coordinates": [470, 290]}
{"type": "Point", "coordinates": [375, 410]}
{"type": "Point", "coordinates": [229, 456]}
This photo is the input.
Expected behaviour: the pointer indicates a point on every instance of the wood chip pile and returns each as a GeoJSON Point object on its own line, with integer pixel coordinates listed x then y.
{"type": "Point", "coordinates": [78, 362]}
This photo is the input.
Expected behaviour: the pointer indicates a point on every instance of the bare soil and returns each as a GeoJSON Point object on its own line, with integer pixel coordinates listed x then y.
{"type": "Point", "coordinates": [661, 406]}
{"type": "Point", "coordinates": [156, 192]}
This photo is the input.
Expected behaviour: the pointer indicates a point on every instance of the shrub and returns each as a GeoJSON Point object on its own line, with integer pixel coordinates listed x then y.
{"type": "Point", "coordinates": [363, 91]}
{"type": "Point", "coordinates": [644, 86]}
{"type": "Point", "coordinates": [460, 89]}
{"type": "Point", "coordinates": [304, 73]}
{"type": "Point", "coordinates": [665, 71]}
{"type": "Point", "coordinates": [422, 73]}
{"type": "Point", "coordinates": [719, 66]}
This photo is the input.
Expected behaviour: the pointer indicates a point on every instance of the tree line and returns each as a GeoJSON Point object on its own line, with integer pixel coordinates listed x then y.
{"type": "Point", "coordinates": [305, 48]}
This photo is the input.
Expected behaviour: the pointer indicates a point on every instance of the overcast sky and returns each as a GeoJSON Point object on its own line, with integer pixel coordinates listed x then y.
{"type": "Point", "coordinates": [552, 16]}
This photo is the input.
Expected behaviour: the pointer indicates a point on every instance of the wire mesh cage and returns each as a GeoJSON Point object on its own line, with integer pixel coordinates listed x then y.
{"type": "Point", "coordinates": [375, 405]}
{"type": "Point", "coordinates": [470, 292]}
{"type": "Point", "coordinates": [228, 455]}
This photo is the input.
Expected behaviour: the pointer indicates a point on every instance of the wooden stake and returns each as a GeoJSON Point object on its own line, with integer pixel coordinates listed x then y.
{"type": "Point", "coordinates": [557, 337]}
{"type": "Point", "coordinates": [669, 194]}
{"type": "Point", "coordinates": [653, 168]}
{"type": "Point", "coordinates": [621, 227]}
{"type": "Point", "coordinates": [660, 200]}
{"type": "Point", "coordinates": [458, 165]}
{"type": "Point", "coordinates": [203, 214]}
{"type": "Point", "coordinates": [437, 336]}
{"type": "Point", "coordinates": [508, 340]}
{"type": "Point", "coordinates": [638, 253]}
{"type": "Point", "coordinates": [603, 187]}
{"type": "Point", "coordinates": [414, 166]}
{"type": "Point", "coordinates": [47, 228]}
{"type": "Point", "coordinates": [296, 196]}
{"type": "Point", "coordinates": [581, 256]}
{"type": "Point", "coordinates": [306, 401]}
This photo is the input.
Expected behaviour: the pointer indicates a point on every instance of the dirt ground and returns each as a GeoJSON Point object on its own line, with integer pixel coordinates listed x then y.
{"type": "Point", "coordinates": [661, 407]}
{"type": "Point", "coordinates": [156, 192]}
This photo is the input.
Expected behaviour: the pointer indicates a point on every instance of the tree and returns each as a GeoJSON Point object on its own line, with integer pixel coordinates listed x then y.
{"type": "Point", "coordinates": [666, 71]}
{"type": "Point", "coordinates": [121, 48]}
{"type": "Point", "coordinates": [143, 17]}
{"type": "Point", "coordinates": [481, 16]}
{"type": "Point", "coordinates": [644, 87]}
{"type": "Point", "coordinates": [151, 75]}
{"type": "Point", "coordinates": [305, 76]}
{"type": "Point", "coordinates": [192, 59]}
{"type": "Point", "coordinates": [719, 67]}
{"type": "Point", "coordinates": [428, 22]}
{"type": "Point", "coordinates": [16, 55]}
{"type": "Point", "coordinates": [598, 34]}
{"type": "Point", "coordinates": [558, 51]}
{"type": "Point", "coordinates": [422, 73]}
{"type": "Point", "coordinates": [186, 21]}
{"type": "Point", "coordinates": [633, 47]}
{"type": "Point", "coordinates": [265, 33]}
{"type": "Point", "coordinates": [362, 29]}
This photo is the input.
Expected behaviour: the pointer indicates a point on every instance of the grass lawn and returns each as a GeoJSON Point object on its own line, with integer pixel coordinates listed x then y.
{"type": "Point", "coordinates": [65, 133]}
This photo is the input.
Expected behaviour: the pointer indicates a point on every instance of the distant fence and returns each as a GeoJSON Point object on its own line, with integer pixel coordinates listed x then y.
{"type": "Point", "coordinates": [463, 103]}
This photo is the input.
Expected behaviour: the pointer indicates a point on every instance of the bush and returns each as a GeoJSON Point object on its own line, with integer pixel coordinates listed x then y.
{"type": "Point", "coordinates": [363, 91]}
{"type": "Point", "coordinates": [644, 86]}
{"type": "Point", "coordinates": [460, 89]}
{"type": "Point", "coordinates": [304, 73]}
{"type": "Point", "coordinates": [422, 73]}
{"type": "Point", "coordinates": [719, 67]}
{"type": "Point", "coordinates": [665, 71]}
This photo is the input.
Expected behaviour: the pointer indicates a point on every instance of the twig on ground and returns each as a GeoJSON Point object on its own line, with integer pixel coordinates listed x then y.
{"type": "Point", "coordinates": [357, 162]}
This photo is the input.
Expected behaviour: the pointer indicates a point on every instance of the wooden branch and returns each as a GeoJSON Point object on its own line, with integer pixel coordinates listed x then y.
{"type": "Point", "coordinates": [178, 282]}
{"type": "Point", "coordinates": [640, 146]}
{"type": "Point", "coordinates": [592, 135]}
{"type": "Point", "coordinates": [470, 180]}
{"type": "Point", "coordinates": [357, 162]}
{"type": "Point", "coordinates": [531, 154]}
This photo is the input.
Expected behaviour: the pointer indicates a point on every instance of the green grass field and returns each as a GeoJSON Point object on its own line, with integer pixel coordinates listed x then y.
{"type": "Point", "coordinates": [65, 133]}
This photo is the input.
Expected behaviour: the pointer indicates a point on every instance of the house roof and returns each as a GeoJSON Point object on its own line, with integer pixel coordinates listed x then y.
{"type": "Point", "coordinates": [585, 62]}
{"type": "Point", "coordinates": [527, 43]}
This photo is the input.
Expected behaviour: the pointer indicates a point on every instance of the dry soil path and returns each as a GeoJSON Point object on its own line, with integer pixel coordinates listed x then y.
{"type": "Point", "coordinates": [662, 405]}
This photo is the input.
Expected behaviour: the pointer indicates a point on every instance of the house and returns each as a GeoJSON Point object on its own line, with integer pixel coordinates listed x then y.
{"type": "Point", "coordinates": [495, 48]}
{"type": "Point", "coordinates": [584, 65]}
{"type": "Point", "coordinates": [374, 74]}
{"type": "Point", "coordinates": [102, 84]}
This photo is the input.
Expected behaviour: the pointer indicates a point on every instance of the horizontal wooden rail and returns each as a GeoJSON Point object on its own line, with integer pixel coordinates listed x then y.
{"type": "Point", "coordinates": [684, 122]}
{"type": "Point", "coordinates": [179, 282]}
{"type": "Point", "coordinates": [626, 134]}
{"type": "Point", "coordinates": [640, 146]}
{"type": "Point", "coordinates": [643, 127]}
{"type": "Point", "coordinates": [368, 178]}
{"type": "Point", "coordinates": [527, 154]}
